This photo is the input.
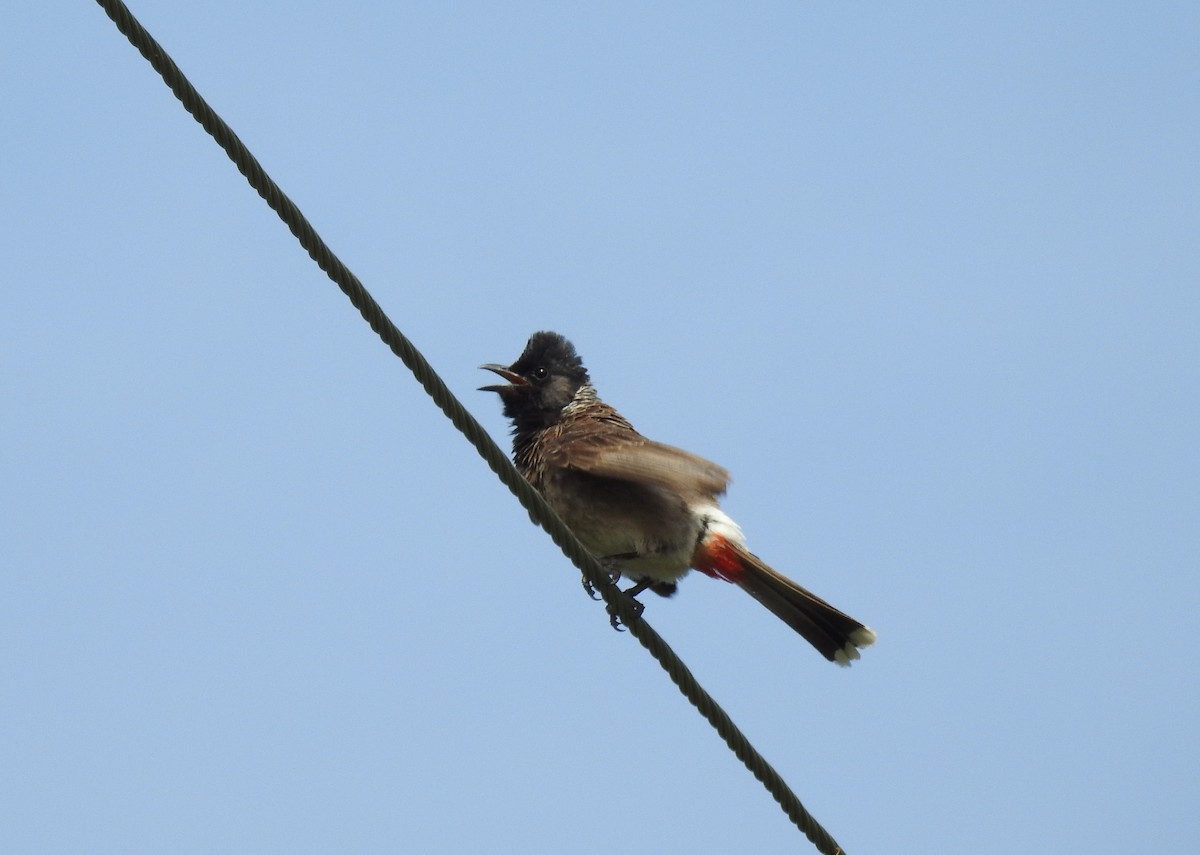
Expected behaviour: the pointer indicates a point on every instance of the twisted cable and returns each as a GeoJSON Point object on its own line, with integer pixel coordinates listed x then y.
{"type": "Point", "coordinates": [624, 609]}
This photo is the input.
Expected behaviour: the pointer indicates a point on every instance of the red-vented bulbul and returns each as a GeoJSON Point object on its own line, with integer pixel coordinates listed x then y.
{"type": "Point", "coordinates": [647, 510]}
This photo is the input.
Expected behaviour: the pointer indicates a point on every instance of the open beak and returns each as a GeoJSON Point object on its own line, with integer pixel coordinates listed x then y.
{"type": "Point", "coordinates": [512, 377]}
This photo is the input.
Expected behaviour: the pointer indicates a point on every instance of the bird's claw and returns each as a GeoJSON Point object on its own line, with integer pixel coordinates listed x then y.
{"type": "Point", "coordinates": [614, 576]}
{"type": "Point", "coordinates": [615, 619]}
{"type": "Point", "coordinates": [612, 567]}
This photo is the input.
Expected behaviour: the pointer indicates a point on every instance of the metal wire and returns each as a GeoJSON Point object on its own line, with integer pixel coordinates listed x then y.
{"type": "Point", "coordinates": [626, 610]}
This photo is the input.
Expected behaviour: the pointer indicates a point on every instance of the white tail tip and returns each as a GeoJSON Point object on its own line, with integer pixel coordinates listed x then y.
{"type": "Point", "coordinates": [863, 637]}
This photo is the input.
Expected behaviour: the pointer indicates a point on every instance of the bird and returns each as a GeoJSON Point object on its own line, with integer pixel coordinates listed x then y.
{"type": "Point", "coordinates": [648, 511]}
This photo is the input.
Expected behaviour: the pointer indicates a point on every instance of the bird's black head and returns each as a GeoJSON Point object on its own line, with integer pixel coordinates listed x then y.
{"type": "Point", "coordinates": [541, 382]}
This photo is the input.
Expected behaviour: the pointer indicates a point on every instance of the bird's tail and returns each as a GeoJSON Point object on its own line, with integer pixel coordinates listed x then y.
{"type": "Point", "coordinates": [835, 634]}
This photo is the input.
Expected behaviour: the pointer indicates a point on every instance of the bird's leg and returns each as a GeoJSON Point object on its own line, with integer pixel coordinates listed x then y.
{"type": "Point", "coordinates": [633, 590]}
{"type": "Point", "coordinates": [612, 566]}
{"type": "Point", "coordinates": [634, 603]}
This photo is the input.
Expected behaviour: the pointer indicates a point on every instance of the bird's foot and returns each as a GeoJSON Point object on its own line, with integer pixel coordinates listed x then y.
{"type": "Point", "coordinates": [614, 576]}
{"type": "Point", "coordinates": [615, 619]}
{"type": "Point", "coordinates": [630, 594]}
{"type": "Point", "coordinates": [612, 566]}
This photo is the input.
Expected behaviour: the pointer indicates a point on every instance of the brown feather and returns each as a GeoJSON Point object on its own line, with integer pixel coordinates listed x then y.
{"type": "Point", "coordinates": [598, 441]}
{"type": "Point", "coordinates": [833, 632]}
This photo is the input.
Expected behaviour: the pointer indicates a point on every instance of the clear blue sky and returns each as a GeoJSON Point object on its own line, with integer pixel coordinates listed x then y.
{"type": "Point", "coordinates": [926, 279]}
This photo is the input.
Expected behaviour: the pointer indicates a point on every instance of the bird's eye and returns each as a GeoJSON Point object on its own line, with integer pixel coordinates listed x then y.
{"type": "Point", "coordinates": [540, 373]}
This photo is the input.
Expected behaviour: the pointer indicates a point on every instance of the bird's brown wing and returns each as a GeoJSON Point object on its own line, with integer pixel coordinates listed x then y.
{"type": "Point", "coordinates": [611, 448]}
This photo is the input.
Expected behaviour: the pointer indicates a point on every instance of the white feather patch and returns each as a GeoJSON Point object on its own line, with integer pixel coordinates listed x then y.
{"type": "Point", "coordinates": [718, 522]}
